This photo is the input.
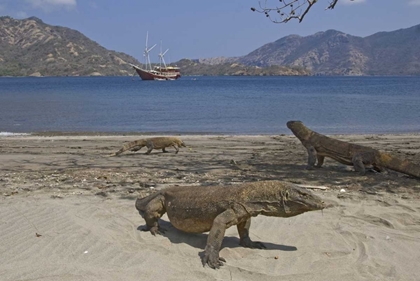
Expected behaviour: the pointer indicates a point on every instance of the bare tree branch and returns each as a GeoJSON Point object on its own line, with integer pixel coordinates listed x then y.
{"type": "Point", "coordinates": [289, 9]}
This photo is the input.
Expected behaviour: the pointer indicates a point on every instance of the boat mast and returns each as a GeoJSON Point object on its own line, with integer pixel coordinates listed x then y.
{"type": "Point", "coordinates": [161, 59]}
{"type": "Point", "coordinates": [146, 53]}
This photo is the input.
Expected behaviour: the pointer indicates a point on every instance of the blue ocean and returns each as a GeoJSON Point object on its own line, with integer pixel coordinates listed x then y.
{"type": "Point", "coordinates": [210, 105]}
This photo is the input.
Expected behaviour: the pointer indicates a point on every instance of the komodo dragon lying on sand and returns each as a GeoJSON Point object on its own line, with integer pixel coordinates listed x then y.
{"type": "Point", "coordinates": [215, 208]}
{"type": "Point", "coordinates": [152, 143]}
{"type": "Point", "coordinates": [320, 146]}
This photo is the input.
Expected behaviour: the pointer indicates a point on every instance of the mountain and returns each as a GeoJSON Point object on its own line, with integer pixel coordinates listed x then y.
{"type": "Point", "coordinates": [395, 53]}
{"type": "Point", "coordinates": [336, 53]}
{"type": "Point", "coordinates": [31, 47]}
{"type": "Point", "coordinates": [219, 67]}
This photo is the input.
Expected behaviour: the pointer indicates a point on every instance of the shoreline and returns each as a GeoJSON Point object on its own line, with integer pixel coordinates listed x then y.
{"type": "Point", "coordinates": [68, 211]}
{"type": "Point", "coordinates": [148, 134]}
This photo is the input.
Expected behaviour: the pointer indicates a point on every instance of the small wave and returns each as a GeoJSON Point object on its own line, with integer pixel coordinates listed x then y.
{"type": "Point", "coordinates": [7, 134]}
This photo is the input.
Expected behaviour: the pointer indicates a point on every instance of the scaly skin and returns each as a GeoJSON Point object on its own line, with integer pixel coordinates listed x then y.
{"type": "Point", "coordinates": [361, 157]}
{"type": "Point", "coordinates": [152, 143]}
{"type": "Point", "coordinates": [215, 208]}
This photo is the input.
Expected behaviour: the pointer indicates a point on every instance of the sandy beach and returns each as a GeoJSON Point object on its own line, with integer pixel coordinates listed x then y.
{"type": "Point", "coordinates": [67, 211]}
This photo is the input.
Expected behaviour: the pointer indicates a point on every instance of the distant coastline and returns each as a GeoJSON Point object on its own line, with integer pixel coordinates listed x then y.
{"type": "Point", "coordinates": [60, 51]}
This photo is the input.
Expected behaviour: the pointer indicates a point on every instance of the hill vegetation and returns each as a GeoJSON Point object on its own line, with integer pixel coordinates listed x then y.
{"type": "Point", "coordinates": [194, 67]}
{"type": "Point", "coordinates": [336, 53]}
{"type": "Point", "coordinates": [31, 47]}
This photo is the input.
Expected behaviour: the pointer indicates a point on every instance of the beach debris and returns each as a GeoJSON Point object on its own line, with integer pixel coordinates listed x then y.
{"type": "Point", "coordinates": [276, 257]}
{"type": "Point", "coordinates": [11, 193]}
{"type": "Point", "coordinates": [101, 186]}
{"type": "Point", "coordinates": [102, 193]}
{"type": "Point", "coordinates": [37, 234]}
{"type": "Point", "coordinates": [342, 190]}
{"type": "Point", "coordinates": [369, 190]}
{"type": "Point", "coordinates": [85, 252]}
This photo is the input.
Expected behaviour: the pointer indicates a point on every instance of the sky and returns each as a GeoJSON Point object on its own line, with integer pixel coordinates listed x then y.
{"type": "Point", "coordinates": [203, 29]}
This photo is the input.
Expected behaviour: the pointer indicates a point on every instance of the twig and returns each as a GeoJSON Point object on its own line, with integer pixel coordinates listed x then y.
{"type": "Point", "coordinates": [313, 186]}
{"type": "Point", "coordinates": [297, 9]}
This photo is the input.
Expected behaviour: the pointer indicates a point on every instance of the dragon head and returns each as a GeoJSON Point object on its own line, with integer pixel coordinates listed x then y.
{"type": "Point", "coordinates": [299, 130]}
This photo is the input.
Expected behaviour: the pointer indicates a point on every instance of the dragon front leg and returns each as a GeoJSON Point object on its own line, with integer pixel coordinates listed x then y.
{"type": "Point", "coordinates": [176, 148]}
{"type": "Point", "coordinates": [245, 241]}
{"type": "Point", "coordinates": [358, 164]}
{"type": "Point", "coordinates": [214, 241]}
{"type": "Point", "coordinates": [312, 156]}
{"type": "Point", "coordinates": [320, 161]}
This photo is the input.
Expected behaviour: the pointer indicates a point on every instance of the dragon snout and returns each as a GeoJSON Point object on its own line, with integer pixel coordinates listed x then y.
{"type": "Point", "coordinates": [317, 204]}
{"type": "Point", "coordinates": [290, 123]}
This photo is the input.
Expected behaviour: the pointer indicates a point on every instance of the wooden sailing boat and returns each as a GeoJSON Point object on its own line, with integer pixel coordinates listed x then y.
{"type": "Point", "coordinates": [160, 72]}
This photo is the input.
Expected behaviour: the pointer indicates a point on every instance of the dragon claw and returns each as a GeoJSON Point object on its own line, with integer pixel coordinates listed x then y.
{"type": "Point", "coordinates": [154, 230]}
{"type": "Point", "coordinates": [213, 261]}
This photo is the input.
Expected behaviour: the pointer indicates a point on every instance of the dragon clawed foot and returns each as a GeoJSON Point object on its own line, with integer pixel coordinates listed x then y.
{"type": "Point", "coordinates": [213, 260]}
{"type": "Point", "coordinates": [154, 230]}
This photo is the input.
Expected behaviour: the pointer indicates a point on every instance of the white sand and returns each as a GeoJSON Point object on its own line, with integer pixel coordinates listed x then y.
{"type": "Point", "coordinates": [48, 187]}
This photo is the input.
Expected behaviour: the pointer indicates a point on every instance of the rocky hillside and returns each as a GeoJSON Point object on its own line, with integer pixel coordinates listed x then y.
{"type": "Point", "coordinates": [199, 67]}
{"type": "Point", "coordinates": [336, 53]}
{"type": "Point", "coordinates": [394, 53]}
{"type": "Point", "coordinates": [31, 47]}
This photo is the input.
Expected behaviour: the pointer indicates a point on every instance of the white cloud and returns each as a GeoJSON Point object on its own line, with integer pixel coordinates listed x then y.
{"type": "Point", "coordinates": [349, 2]}
{"type": "Point", "coordinates": [21, 15]}
{"type": "Point", "coordinates": [414, 2]}
{"type": "Point", "coordinates": [49, 5]}
{"type": "Point", "coordinates": [93, 5]}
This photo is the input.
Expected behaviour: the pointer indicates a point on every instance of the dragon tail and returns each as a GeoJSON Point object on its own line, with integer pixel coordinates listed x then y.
{"type": "Point", "coordinates": [402, 166]}
{"type": "Point", "coordinates": [129, 146]}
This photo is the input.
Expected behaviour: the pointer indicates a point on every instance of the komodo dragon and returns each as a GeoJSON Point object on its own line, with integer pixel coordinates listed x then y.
{"type": "Point", "coordinates": [215, 208]}
{"type": "Point", "coordinates": [152, 143]}
{"type": "Point", "coordinates": [361, 157]}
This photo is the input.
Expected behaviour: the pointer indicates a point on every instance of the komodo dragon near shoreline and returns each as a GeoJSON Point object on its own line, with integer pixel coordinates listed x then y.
{"type": "Point", "coordinates": [361, 157]}
{"type": "Point", "coordinates": [152, 143]}
{"type": "Point", "coordinates": [197, 209]}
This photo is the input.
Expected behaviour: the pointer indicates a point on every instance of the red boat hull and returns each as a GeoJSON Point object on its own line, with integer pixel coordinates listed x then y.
{"type": "Point", "coordinates": [157, 75]}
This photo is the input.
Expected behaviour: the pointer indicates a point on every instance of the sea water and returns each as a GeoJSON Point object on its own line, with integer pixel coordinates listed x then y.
{"type": "Point", "coordinates": [210, 105]}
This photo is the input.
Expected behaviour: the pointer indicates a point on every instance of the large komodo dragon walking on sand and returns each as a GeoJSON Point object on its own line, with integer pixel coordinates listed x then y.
{"type": "Point", "coordinates": [152, 143]}
{"type": "Point", "coordinates": [361, 157]}
{"type": "Point", "coordinates": [197, 209]}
